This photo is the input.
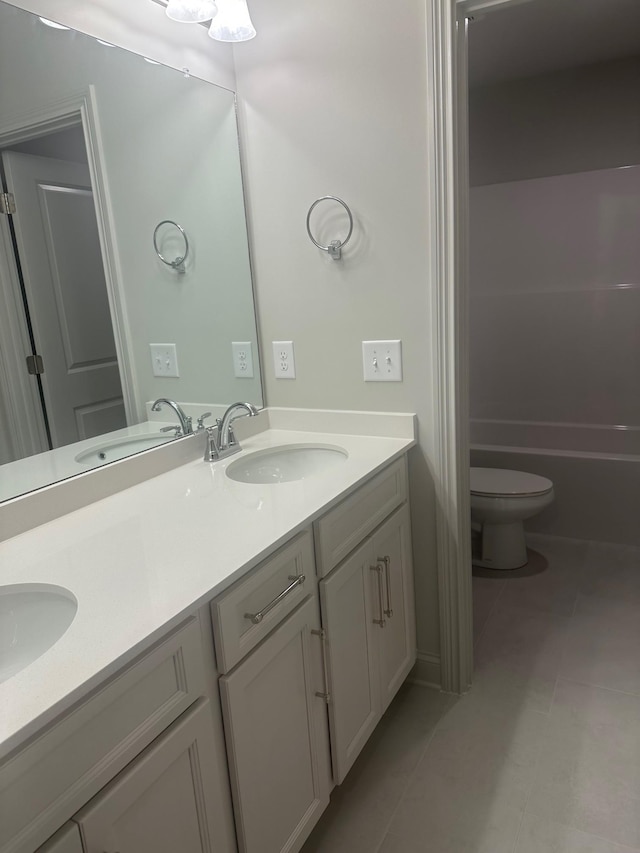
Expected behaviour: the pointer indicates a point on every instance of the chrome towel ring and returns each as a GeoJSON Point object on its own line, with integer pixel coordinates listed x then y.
{"type": "Point", "coordinates": [178, 263]}
{"type": "Point", "coordinates": [335, 246]}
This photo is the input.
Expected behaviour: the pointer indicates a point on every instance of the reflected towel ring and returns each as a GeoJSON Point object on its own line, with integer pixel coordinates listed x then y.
{"type": "Point", "coordinates": [178, 263]}
{"type": "Point", "coordinates": [335, 246]}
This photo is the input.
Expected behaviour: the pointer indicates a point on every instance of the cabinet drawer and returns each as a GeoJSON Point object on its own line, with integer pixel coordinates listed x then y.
{"type": "Point", "coordinates": [250, 609]}
{"type": "Point", "coordinates": [47, 781]}
{"type": "Point", "coordinates": [346, 525]}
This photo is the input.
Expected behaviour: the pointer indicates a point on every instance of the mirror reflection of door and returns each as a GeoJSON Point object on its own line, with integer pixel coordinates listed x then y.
{"type": "Point", "coordinates": [60, 269]}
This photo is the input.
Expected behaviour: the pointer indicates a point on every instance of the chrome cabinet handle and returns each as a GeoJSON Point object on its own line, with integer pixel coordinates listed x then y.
{"type": "Point", "coordinates": [325, 670]}
{"type": "Point", "coordinates": [387, 571]}
{"type": "Point", "coordinates": [256, 618]}
{"type": "Point", "coordinates": [378, 571]}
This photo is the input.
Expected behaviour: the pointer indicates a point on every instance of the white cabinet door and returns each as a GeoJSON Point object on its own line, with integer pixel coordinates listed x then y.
{"type": "Point", "coordinates": [348, 613]}
{"type": "Point", "coordinates": [391, 551]}
{"type": "Point", "coordinates": [66, 840]}
{"type": "Point", "coordinates": [277, 739]}
{"type": "Point", "coordinates": [166, 800]}
{"type": "Point", "coordinates": [368, 613]}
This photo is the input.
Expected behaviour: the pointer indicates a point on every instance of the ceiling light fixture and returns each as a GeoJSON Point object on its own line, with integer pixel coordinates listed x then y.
{"type": "Point", "coordinates": [53, 24]}
{"type": "Point", "coordinates": [233, 22]}
{"type": "Point", "coordinates": [191, 11]}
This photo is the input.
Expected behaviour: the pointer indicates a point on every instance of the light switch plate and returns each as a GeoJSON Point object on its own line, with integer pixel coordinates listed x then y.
{"type": "Point", "coordinates": [164, 360]}
{"type": "Point", "coordinates": [283, 360]}
{"type": "Point", "coordinates": [382, 361]}
{"type": "Point", "coordinates": [242, 359]}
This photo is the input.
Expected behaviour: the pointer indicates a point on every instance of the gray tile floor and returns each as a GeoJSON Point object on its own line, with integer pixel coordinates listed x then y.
{"type": "Point", "coordinates": [543, 755]}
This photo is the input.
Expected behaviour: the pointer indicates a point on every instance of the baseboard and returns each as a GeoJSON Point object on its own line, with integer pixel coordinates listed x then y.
{"type": "Point", "coordinates": [426, 671]}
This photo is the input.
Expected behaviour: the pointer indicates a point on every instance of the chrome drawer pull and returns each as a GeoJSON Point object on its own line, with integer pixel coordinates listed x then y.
{"type": "Point", "coordinates": [323, 637]}
{"type": "Point", "coordinates": [387, 571]}
{"type": "Point", "coordinates": [256, 618]}
{"type": "Point", "coordinates": [378, 571]}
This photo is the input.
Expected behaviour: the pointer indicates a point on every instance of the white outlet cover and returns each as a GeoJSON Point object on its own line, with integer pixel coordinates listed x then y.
{"type": "Point", "coordinates": [284, 364]}
{"type": "Point", "coordinates": [382, 361]}
{"type": "Point", "coordinates": [242, 359]}
{"type": "Point", "coordinates": [164, 360]}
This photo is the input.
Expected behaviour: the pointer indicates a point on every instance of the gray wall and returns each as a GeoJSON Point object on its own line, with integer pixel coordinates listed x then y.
{"type": "Point", "coordinates": [568, 121]}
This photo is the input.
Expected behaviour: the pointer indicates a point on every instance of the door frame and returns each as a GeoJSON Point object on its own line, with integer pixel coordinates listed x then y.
{"type": "Point", "coordinates": [448, 179]}
{"type": "Point", "coordinates": [77, 108]}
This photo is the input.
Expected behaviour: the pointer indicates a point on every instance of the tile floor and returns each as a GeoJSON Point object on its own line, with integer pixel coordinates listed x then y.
{"type": "Point", "coordinates": [543, 755]}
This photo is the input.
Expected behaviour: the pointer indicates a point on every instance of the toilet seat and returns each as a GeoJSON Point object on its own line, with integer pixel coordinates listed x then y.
{"type": "Point", "coordinates": [503, 483]}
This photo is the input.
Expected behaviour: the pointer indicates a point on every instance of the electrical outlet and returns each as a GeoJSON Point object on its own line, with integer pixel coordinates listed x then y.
{"type": "Point", "coordinates": [242, 359]}
{"type": "Point", "coordinates": [382, 361]}
{"type": "Point", "coordinates": [164, 360]}
{"type": "Point", "coordinates": [283, 360]}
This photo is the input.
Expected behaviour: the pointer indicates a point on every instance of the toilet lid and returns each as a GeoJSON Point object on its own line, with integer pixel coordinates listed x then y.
{"type": "Point", "coordinates": [503, 483]}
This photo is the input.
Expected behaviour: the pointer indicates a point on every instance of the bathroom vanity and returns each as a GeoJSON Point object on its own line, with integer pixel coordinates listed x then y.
{"type": "Point", "coordinates": [234, 646]}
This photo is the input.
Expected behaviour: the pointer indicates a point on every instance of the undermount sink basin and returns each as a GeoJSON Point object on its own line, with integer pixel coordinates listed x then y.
{"type": "Point", "coordinates": [32, 618]}
{"type": "Point", "coordinates": [284, 464]}
{"type": "Point", "coordinates": [118, 448]}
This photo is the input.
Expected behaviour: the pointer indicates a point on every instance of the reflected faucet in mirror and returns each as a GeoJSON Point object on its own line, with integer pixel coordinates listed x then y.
{"type": "Point", "coordinates": [221, 441]}
{"type": "Point", "coordinates": [186, 422]}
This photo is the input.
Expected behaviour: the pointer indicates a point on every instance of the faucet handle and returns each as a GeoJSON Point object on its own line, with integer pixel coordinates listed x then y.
{"type": "Point", "coordinates": [211, 451]}
{"type": "Point", "coordinates": [176, 427]}
{"type": "Point", "coordinates": [201, 421]}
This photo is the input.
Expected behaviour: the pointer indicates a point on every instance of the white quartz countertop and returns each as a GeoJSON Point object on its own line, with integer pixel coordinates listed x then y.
{"type": "Point", "coordinates": [140, 561]}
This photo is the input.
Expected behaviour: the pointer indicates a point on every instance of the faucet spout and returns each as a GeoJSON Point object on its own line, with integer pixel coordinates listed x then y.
{"type": "Point", "coordinates": [221, 442]}
{"type": "Point", "coordinates": [185, 421]}
{"type": "Point", "coordinates": [225, 433]}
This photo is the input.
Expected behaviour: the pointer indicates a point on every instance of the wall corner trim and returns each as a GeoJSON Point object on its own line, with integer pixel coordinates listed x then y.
{"type": "Point", "coordinates": [448, 178]}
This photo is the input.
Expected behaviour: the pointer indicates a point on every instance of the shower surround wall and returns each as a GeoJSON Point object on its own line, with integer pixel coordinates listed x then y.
{"type": "Point", "coordinates": [555, 290]}
{"type": "Point", "coordinates": [554, 343]}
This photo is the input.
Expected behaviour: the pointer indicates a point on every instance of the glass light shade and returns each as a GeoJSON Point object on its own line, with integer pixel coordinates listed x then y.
{"type": "Point", "coordinates": [233, 22]}
{"type": "Point", "coordinates": [191, 11]}
{"type": "Point", "coordinates": [53, 24]}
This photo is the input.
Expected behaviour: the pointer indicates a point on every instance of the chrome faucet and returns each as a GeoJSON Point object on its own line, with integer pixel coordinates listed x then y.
{"type": "Point", "coordinates": [186, 424]}
{"type": "Point", "coordinates": [221, 441]}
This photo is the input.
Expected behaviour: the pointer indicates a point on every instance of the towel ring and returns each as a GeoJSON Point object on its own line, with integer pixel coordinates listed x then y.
{"type": "Point", "coordinates": [178, 263]}
{"type": "Point", "coordinates": [335, 246]}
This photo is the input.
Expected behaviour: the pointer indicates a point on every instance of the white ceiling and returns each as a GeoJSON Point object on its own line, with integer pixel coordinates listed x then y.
{"type": "Point", "coordinates": [547, 35]}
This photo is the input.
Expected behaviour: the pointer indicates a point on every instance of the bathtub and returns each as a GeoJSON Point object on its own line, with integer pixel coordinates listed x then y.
{"type": "Point", "coordinates": [595, 471]}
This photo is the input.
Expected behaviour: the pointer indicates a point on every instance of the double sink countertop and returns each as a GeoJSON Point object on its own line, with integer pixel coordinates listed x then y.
{"type": "Point", "coordinates": [140, 561]}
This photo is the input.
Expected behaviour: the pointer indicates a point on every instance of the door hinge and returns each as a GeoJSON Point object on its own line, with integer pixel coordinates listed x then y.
{"type": "Point", "coordinates": [7, 203]}
{"type": "Point", "coordinates": [35, 365]}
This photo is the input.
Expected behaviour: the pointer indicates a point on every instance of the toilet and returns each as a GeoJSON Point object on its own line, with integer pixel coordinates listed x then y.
{"type": "Point", "coordinates": [500, 501]}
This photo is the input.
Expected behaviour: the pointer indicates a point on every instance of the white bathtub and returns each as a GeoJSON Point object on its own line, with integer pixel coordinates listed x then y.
{"type": "Point", "coordinates": [595, 471]}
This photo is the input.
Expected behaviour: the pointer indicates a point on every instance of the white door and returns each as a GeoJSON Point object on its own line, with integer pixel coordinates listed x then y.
{"type": "Point", "coordinates": [277, 738]}
{"type": "Point", "coordinates": [165, 801]}
{"type": "Point", "coordinates": [348, 613]}
{"type": "Point", "coordinates": [63, 275]}
{"type": "Point", "coordinates": [391, 545]}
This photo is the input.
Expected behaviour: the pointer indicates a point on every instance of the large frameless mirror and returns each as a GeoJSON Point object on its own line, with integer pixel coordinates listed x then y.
{"type": "Point", "coordinates": [101, 151]}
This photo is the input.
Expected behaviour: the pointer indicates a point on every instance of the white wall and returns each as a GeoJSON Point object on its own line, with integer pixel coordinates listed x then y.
{"type": "Point", "coordinates": [143, 27]}
{"type": "Point", "coordinates": [574, 120]}
{"type": "Point", "coordinates": [333, 101]}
